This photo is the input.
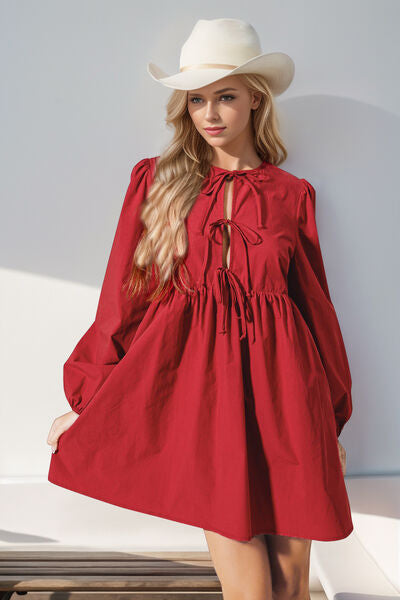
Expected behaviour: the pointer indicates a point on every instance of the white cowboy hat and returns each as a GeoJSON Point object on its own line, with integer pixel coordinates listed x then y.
{"type": "Point", "coordinates": [220, 47]}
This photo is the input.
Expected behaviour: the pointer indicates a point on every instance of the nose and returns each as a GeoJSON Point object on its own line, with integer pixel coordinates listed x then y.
{"type": "Point", "coordinates": [211, 112]}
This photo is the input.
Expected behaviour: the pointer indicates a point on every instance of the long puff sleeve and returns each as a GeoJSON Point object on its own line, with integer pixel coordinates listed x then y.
{"type": "Point", "coordinates": [308, 287]}
{"type": "Point", "coordinates": [117, 318]}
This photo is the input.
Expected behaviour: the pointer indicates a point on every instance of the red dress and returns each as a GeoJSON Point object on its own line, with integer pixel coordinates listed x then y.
{"type": "Point", "coordinates": [218, 408]}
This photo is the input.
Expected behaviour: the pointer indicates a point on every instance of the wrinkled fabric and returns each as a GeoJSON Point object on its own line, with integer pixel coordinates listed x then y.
{"type": "Point", "coordinates": [219, 408]}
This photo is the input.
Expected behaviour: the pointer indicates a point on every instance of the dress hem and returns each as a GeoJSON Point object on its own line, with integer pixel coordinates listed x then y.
{"type": "Point", "coordinates": [192, 523]}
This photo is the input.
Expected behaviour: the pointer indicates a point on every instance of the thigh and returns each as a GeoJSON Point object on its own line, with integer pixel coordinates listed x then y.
{"type": "Point", "coordinates": [242, 567]}
{"type": "Point", "coordinates": [289, 559]}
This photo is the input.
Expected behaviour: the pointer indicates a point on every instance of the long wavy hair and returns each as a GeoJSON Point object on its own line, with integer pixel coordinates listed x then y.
{"type": "Point", "coordinates": [178, 178]}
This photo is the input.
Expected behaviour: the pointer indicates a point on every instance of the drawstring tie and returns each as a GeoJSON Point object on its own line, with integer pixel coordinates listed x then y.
{"type": "Point", "coordinates": [229, 286]}
{"type": "Point", "coordinates": [225, 280]}
{"type": "Point", "coordinates": [227, 283]}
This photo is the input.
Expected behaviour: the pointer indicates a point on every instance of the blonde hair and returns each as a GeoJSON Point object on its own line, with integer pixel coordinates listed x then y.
{"type": "Point", "coordinates": [178, 177]}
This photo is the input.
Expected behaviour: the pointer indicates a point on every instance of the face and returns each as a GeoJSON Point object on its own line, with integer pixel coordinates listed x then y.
{"type": "Point", "coordinates": [225, 104]}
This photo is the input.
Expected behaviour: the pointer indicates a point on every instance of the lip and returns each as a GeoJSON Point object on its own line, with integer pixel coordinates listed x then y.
{"type": "Point", "coordinates": [214, 130]}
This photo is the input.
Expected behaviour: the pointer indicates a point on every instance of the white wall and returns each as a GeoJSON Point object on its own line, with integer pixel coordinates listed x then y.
{"type": "Point", "coordinates": [78, 109]}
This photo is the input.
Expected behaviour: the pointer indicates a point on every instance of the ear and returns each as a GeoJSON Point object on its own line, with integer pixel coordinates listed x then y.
{"type": "Point", "coordinates": [256, 99]}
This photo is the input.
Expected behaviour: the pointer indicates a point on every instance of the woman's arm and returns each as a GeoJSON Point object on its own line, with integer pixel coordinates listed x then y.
{"type": "Point", "coordinates": [108, 338]}
{"type": "Point", "coordinates": [309, 289]}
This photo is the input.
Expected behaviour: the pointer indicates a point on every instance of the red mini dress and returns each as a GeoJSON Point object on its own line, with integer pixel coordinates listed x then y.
{"type": "Point", "coordinates": [219, 407]}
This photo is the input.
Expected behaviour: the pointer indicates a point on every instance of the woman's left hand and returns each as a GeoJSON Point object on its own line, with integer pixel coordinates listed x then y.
{"type": "Point", "coordinates": [342, 456]}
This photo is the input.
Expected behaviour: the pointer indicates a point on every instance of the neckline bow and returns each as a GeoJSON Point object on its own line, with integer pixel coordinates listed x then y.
{"type": "Point", "coordinates": [250, 177]}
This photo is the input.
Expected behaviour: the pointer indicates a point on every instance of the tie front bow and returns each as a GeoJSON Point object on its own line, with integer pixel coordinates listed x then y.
{"type": "Point", "coordinates": [229, 289]}
{"type": "Point", "coordinates": [251, 178]}
{"type": "Point", "coordinates": [227, 282]}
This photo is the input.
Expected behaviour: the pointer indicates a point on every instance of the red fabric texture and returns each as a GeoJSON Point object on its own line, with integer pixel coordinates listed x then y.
{"type": "Point", "coordinates": [218, 408]}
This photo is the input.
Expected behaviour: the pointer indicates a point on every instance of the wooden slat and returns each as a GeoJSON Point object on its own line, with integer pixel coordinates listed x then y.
{"type": "Point", "coordinates": [95, 567]}
{"type": "Point", "coordinates": [122, 596]}
{"type": "Point", "coordinates": [90, 571]}
{"type": "Point", "coordinates": [182, 556]}
{"type": "Point", "coordinates": [110, 583]}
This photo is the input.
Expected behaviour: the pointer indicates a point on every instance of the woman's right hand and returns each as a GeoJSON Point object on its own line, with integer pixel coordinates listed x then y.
{"type": "Point", "coordinates": [60, 424]}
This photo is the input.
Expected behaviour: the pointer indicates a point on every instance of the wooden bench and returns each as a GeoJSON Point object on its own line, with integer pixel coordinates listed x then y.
{"type": "Point", "coordinates": [156, 573]}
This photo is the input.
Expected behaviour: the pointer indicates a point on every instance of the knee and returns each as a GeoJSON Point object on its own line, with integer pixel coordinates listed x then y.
{"type": "Point", "coordinates": [248, 592]}
{"type": "Point", "coordinates": [230, 594]}
{"type": "Point", "coordinates": [295, 587]}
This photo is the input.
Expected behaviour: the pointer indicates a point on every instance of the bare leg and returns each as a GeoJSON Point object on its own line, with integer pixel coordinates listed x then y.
{"type": "Point", "coordinates": [242, 567]}
{"type": "Point", "coordinates": [290, 566]}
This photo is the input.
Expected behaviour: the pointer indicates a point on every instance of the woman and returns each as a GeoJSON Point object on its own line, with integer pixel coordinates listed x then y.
{"type": "Point", "coordinates": [213, 384]}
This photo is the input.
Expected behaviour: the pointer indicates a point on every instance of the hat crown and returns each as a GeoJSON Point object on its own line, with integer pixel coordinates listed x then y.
{"type": "Point", "coordinates": [220, 41]}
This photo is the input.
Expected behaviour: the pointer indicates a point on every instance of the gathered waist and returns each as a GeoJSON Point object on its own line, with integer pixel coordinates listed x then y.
{"type": "Point", "coordinates": [230, 294]}
{"type": "Point", "coordinates": [209, 288]}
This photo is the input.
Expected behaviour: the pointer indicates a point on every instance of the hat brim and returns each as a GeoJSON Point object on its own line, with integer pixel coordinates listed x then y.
{"type": "Point", "coordinates": [277, 67]}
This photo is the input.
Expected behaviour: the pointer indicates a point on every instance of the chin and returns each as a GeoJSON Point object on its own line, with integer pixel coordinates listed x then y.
{"type": "Point", "coordinates": [217, 142]}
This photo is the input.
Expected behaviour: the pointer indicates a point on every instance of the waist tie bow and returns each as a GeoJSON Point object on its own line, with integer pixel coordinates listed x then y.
{"type": "Point", "coordinates": [228, 284]}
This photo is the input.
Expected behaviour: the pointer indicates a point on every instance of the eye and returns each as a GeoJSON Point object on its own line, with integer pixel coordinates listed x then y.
{"type": "Point", "coordinates": [193, 98]}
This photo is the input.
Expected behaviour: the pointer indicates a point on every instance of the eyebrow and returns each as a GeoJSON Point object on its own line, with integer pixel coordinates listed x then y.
{"type": "Point", "coordinates": [217, 92]}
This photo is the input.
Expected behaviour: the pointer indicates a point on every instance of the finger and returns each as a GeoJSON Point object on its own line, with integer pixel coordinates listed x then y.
{"type": "Point", "coordinates": [52, 440]}
{"type": "Point", "coordinates": [52, 431]}
{"type": "Point", "coordinates": [55, 433]}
